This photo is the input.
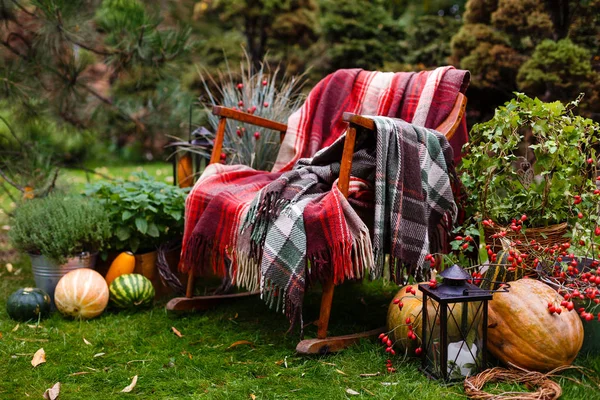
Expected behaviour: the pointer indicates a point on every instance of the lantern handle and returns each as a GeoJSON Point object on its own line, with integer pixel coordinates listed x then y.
{"type": "Point", "coordinates": [502, 289]}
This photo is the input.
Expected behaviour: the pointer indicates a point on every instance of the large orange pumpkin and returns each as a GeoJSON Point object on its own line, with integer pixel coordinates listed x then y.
{"type": "Point", "coordinates": [412, 307]}
{"type": "Point", "coordinates": [521, 331]}
{"type": "Point", "coordinates": [82, 293]}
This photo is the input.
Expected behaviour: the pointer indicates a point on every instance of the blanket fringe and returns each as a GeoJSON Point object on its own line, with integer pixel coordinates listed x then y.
{"type": "Point", "coordinates": [203, 256]}
{"type": "Point", "coordinates": [275, 297]}
{"type": "Point", "coordinates": [343, 261]}
{"type": "Point", "coordinates": [248, 271]}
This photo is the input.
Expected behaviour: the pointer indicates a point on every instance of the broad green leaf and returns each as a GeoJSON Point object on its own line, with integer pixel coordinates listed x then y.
{"type": "Point", "coordinates": [142, 225]}
{"type": "Point", "coordinates": [126, 215]}
{"type": "Point", "coordinates": [153, 230]}
{"type": "Point", "coordinates": [123, 233]}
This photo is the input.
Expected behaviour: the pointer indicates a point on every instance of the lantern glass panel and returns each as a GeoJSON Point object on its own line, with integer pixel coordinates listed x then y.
{"type": "Point", "coordinates": [453, 346]}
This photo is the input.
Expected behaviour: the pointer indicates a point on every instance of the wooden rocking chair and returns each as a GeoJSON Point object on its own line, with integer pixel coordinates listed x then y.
{"type": "Point", "coordinates": [322, 344]}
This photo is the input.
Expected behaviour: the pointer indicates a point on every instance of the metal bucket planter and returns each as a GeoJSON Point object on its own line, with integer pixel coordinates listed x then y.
{"type": "Point", "coordinates": [47, 273]}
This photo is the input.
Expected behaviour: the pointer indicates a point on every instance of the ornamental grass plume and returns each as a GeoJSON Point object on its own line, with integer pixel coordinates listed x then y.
{"type": "Point", "coordinates": [263, 93]}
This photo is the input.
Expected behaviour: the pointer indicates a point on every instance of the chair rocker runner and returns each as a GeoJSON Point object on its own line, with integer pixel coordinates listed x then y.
{"type": "Point", "coordinates": [322, 344]}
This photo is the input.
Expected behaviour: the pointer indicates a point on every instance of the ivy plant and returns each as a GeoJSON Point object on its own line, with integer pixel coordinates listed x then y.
{"type": "Point", "coordinates": [143, 212]}
{"type": "Point", "coordinates": [531, 158]}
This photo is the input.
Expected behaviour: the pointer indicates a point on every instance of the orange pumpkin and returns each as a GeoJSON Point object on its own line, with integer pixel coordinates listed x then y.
{"type": "Point", "coordinates": [522, 331]}
{"type": "Point", "coordinates": [412, 307]}
{"type": "Point", "coordinates": [123, 264]}
{"type": "Point", "coordinates": [82, 293]}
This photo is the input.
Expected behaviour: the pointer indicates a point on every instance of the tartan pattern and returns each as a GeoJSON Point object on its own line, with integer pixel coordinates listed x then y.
{"type": "Point", "coordinates": [222, 198]}
{"type": "Point", "coordinates": [412, 195]}
{"type": "Point", "coordinates": [408, 210]}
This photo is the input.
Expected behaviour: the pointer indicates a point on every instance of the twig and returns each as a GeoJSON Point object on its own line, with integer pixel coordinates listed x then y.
{"type": "Point", "coordinates": [8, 193]}
{"type": "Point", "coordinates": [22, 8]}
{"type": "Point", "coordinates": [96, 172]}
{"type": "Point", "coordinates": [369, 375]}
{"type": "Point", "coordinates": [10, 182]}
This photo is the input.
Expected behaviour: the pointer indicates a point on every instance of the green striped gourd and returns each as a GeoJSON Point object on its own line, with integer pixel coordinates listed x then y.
{"type": "Point", "coordinates": [498, 272]}
{"type": "Point", "coordinates": [131, 291]}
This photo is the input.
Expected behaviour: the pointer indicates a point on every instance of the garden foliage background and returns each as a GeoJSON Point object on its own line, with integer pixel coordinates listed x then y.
{"type": "Point", "coordinates": [89, 80]}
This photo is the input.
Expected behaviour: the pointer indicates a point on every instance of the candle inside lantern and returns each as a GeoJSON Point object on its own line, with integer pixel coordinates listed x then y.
{"type": "Point", "coordinates": [459, 353]}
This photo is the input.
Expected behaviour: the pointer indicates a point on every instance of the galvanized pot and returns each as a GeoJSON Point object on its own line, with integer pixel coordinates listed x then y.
{"type": "Point", "coordinates": [47, 273]}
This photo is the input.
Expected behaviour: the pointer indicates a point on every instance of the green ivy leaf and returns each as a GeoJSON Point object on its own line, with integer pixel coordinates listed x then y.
{"type": "Point", "coordinates": [141, 225]}
{"type": "Point", "coordinates": [126, 215]}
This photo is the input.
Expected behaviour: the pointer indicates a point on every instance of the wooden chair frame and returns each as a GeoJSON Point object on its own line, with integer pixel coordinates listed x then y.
{"type": "Point", "coordinates": [322, 344]}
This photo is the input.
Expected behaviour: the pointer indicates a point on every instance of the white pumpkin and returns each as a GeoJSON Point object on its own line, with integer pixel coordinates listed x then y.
{"type": "Point", "coordinates": [82, 293]}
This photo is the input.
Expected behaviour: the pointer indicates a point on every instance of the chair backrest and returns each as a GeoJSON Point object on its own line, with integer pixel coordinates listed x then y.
{"type": "Point", "coordinates": [428, 95]}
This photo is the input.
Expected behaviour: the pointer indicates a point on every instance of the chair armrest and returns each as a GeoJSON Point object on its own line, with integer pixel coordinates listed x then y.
{"type": "Point", "coordinates": [447, 127]}
{"type": "Point", "coordinates": [226, 112]}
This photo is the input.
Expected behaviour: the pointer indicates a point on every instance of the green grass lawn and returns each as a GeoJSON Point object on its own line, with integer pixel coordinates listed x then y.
{"type": "Point", "coordinates": [201, 364]}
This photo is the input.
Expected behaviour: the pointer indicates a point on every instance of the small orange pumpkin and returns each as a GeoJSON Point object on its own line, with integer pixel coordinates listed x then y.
{"type": "Point", "coordinates": [411, 309]}
{"type": "Point", "coordinates": [82, 293]}
{"type": "Point", "coordinates": [521, 331]}
{"type": "Point", "coordinates": [123, 264]}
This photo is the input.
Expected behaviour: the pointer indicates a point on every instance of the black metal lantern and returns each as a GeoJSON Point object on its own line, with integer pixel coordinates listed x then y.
{"type": "Point", "coordinates": [454, 335]}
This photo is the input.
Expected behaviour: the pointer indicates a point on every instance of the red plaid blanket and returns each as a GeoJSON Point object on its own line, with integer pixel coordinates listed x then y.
{"type": "Point", "coordinates": [221, 197]}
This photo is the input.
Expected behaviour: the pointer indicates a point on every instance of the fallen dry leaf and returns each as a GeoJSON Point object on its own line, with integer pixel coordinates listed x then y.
{"type": "Point", "coordinates": [86, 342]}
{"type": "Point", "coordinates": [31, 340]}
{"type": "Point", "coordinates": [99, 354]}
{"type": "Point", "coordinates": [35, 326]}
{"type": "Point", "coordinates": [38, 358]}
{"type": "Point", "coordinates": [53, 392]}
{"type": "Point", "coordinates": [368, 375]}
{"type": "Point", "coordinates": [369, 392]}
{"type": "Point", "coordinates": [131, 385]}
{"type": "Point", "coordinates": [239, 343]}
{"type": "Point", "coordinates": [80, 373]}
{"type": "Point", "coordinates": [252, 396]}
{"type": "Point", "coordinates": [340, 372]}
{"type": "Point", "coordinates": [15, 328]}
{"type": "Point", "coordinates": [352, 392]}
{"type": "Point", "coordinates": [327, 363]}
{"type": "Point", "coordinates": [176, 332]}
{"type": "Point", "coordinates": [9, 268]}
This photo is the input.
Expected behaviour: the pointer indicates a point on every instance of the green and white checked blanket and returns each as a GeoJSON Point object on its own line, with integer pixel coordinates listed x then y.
{"type": "Point", "coordinates": [300, 226]}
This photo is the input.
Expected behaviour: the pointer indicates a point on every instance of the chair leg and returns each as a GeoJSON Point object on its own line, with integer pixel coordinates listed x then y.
{"type": "Point", "coordinates": [189, 291]}
{"type": "Point", "coordinates": [201, 303]}
{"type": "Point", "coordinates": [324, 344]}
{"type": "Point", "coordinates": [326, 300]}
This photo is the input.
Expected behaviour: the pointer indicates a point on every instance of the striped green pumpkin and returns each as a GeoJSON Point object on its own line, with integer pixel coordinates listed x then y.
{"type": "Point", "coordinates": [131, 291]}
{"type": "Point", "coordinates": [498, 272]}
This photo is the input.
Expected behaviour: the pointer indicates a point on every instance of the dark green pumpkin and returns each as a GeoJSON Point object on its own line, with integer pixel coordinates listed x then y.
{"type": "Point", "coordinates": [28, 304]}
{"type": "Point", "coordinates": [498, 273]}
